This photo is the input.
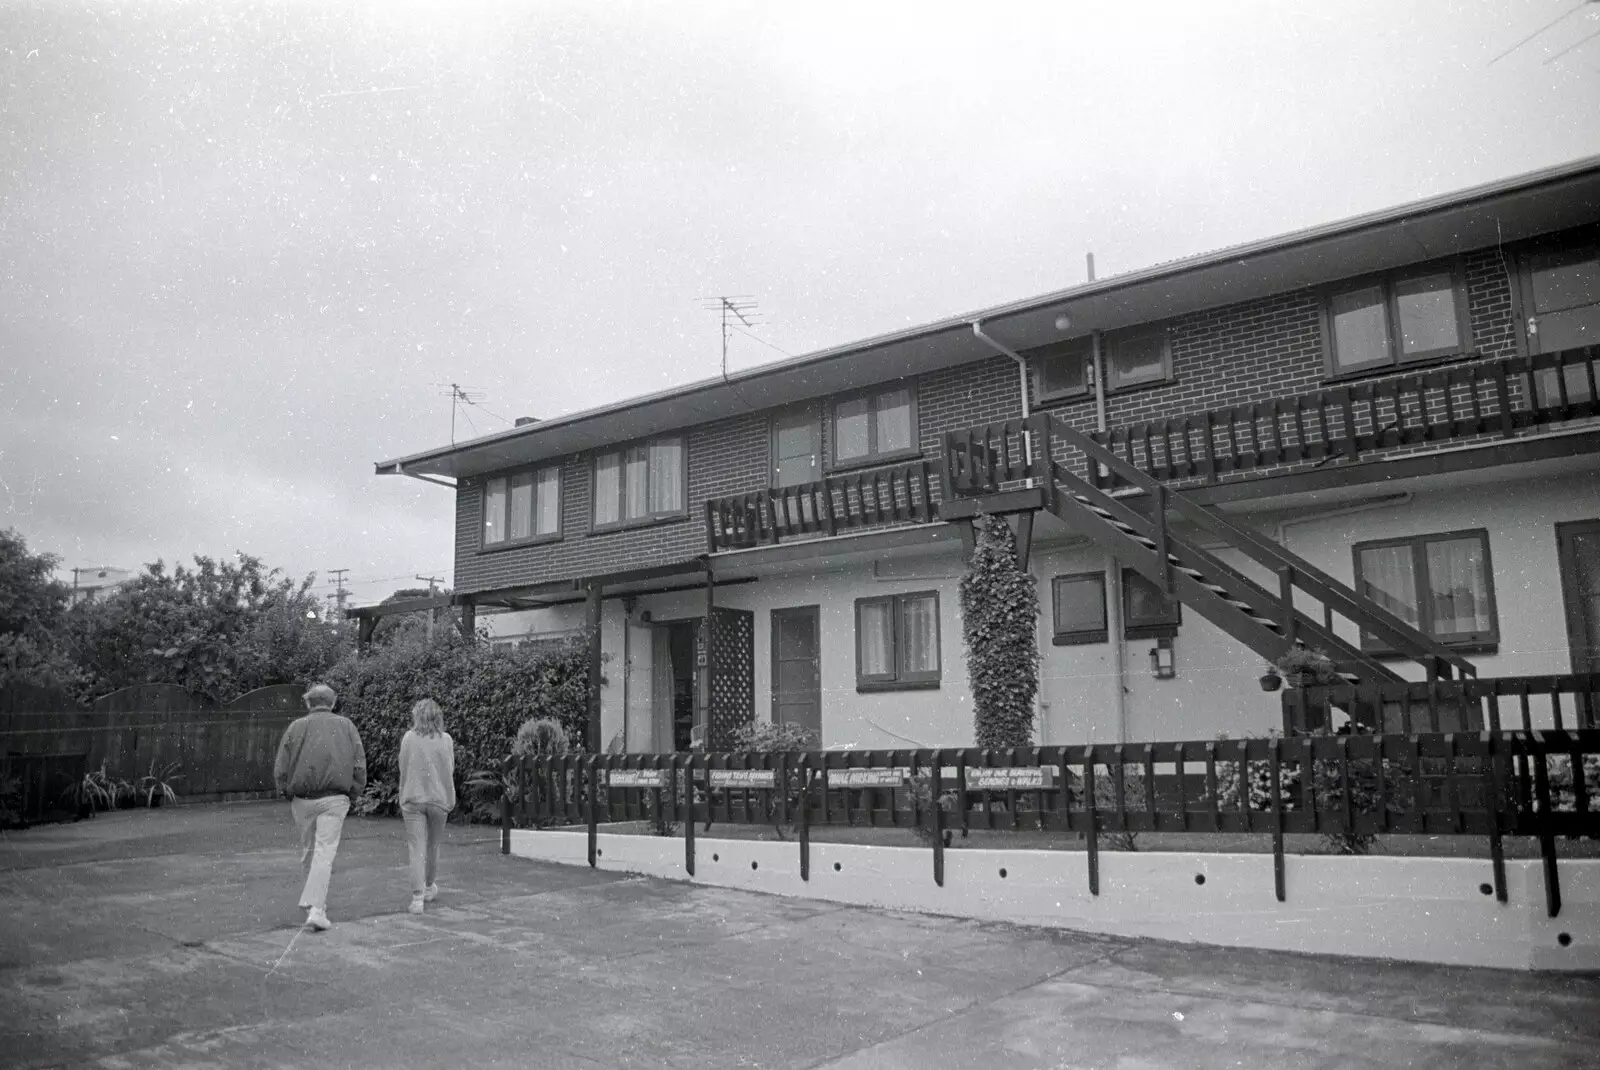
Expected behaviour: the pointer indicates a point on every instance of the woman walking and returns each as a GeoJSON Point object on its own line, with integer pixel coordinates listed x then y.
{"type": "Point", "coordinates": [427, 794]}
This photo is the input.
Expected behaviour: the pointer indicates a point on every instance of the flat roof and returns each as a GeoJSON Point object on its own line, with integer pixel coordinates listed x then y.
{"type": "Point", "coordinates": [1505, 210]}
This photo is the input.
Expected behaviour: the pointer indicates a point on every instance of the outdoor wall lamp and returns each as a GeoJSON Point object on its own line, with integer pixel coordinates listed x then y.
{"type": "Point", "coordinates": [1162, 665]}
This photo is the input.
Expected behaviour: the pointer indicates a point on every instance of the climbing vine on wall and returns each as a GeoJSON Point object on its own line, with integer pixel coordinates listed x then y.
{"type": "Point", "coordinates": [999, 613]}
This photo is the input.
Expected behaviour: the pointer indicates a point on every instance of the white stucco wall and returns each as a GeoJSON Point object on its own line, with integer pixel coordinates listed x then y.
{"type": "Point", "coordinates": [1410, 909]}
{"type": "Point", "coordinates": [1215, 690]}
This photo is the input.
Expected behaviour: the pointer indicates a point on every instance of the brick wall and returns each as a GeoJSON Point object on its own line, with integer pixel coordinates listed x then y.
{"type": "Point", "coordinates": [1242, 353]}
{"type": "Point", "coordinates": [726, 457]}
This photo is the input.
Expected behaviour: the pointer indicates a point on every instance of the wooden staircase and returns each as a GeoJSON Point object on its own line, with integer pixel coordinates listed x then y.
{"type": "Point", "coordinates": [1268, 622]}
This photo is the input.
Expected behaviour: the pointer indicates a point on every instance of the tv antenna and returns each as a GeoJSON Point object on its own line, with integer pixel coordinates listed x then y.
{"type": "Point", "coordinates": [735, 309]}
{"type": "Point", "coordinates": [460, 395]}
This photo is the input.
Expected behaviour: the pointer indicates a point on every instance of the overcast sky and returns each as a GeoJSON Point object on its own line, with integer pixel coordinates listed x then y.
{"type": "Point", "coordinates": [242, 245]}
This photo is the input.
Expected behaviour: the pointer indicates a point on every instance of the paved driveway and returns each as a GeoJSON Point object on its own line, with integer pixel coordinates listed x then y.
{"type": "Point", "coordinates": [168, 939]}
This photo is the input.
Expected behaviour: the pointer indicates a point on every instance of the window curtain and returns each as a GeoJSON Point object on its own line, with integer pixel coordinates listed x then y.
{"type": "Point", "coordinates": [494, 511]}
{"type": "Point", "coordinates": [875, 636]}
{"type": "Point", "coordinates": [637, 495]}
{"type": "Point", "coordinates": [547, 515]}
{"type": "Point", "coordinates": [666, 477]}
{"type": "Point", "coordinates": [919, 649]}
{"type": "Point", "coordinates": [521, 505]}
{"type": "Point", "coordinates": [1458, 588]}
{"type": "Point", "coordinates": [607, 488]}
{"type": "Point", "coordinates": [1387, 578]}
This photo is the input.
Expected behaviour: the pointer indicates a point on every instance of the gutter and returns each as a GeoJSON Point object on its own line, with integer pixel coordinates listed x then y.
{"type": "Point", "coordinates": [1022, 380]}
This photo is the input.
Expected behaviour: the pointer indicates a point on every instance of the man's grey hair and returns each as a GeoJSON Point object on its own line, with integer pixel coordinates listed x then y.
{"type": "Point", "coordinates": [320, 697]}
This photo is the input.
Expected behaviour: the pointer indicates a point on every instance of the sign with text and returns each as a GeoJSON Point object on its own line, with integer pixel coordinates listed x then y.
{"type": "Point", "coordinates": [1029, 778]}
{"type": "Point", "coordinates": [638, 778]}
{"type": "Point", "coordinates": [741, 778]}
{"type": "Point", "coordinates": [867, 778]}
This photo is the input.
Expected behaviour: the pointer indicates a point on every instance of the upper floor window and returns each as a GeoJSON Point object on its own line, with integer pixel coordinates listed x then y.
{"type": "Point", "coordinates": [1439, 584]}
{"type": "Point", "coordinates": [880, 424]}
{"type": "Point", "coordinates": [645, 481]}
{"type": "Point", "coordinates": [796, 448]}
{"type": "Point", "coordinates": [1138, 356]}
{"type": "Point", "coordinates": [522, 506]}
{"type": "Point", "coordinates": [1416, 314]}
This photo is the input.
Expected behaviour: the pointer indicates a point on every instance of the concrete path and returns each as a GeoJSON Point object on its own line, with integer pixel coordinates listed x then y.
{"type": "Point", "coordinates": [169, 939]}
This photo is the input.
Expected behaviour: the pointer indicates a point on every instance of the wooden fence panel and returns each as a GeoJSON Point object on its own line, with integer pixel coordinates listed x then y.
{"type": "Point", "coordinates": [221, 750]}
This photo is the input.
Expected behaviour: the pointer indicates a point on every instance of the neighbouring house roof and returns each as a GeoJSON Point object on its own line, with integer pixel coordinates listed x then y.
{"type": "Point", "coordinates": [1507, 210]}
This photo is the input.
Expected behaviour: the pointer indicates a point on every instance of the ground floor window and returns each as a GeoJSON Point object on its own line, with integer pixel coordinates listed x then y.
{"type": "Point", "coordinates": [897, 642]}
{"type": "Point", "coordinates": [1078, 608]}
{"type": "Point", "coordinates": [1441, 585]}
{"type": "Point", "coordinates": [1147, 611]}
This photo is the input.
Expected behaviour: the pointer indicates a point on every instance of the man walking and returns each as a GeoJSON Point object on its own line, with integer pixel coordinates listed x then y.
{"type": "Point", "coordinates": [321, 768]}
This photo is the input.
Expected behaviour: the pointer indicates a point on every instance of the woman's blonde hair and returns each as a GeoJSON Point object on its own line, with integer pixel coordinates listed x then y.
{"type": "Point", "coordinates": [427, 719]}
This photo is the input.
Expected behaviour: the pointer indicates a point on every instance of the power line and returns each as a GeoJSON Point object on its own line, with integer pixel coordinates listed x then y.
{"type": "Point", "coordinates": [1576, 7]}
{"type": "Point", "coordinates": [763, 341]}
{"type": "Point", "coordinates": [1570, 47]}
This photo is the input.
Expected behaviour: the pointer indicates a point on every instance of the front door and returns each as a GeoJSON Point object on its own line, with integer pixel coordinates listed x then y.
{"type": "Point", "coordinates": [1579, 545]}
{"type": "Point", "coordinates": [797, 669]}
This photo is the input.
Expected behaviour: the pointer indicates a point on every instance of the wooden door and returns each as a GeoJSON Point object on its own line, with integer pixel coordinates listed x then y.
{"type": "Point", "coordinates": [1579, 545]}
{"type": "Point", "coordinates": [797, 668]}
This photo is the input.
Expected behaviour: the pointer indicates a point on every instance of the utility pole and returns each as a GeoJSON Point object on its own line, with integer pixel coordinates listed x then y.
{"type": "Point", "coordinates": [433, 612]}
{"type": "Point", "coordinates": [338, 578]}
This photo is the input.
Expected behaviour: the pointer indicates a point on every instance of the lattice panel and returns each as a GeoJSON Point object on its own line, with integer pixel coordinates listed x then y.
{"type": "Point", "coordinates": [733, 675]}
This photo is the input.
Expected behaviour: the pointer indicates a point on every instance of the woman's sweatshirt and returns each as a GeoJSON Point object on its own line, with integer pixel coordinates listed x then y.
{"type": "Point", "coordinates": [427, 770]}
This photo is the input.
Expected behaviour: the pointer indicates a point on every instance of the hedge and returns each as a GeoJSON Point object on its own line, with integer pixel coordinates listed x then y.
{"type": "Point", "coordinates": [486, 695]}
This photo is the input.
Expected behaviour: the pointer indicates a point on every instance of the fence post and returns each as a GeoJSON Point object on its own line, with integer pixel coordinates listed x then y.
{"type": "Point", "coordinates": [505, 805]}
{"type": "Point", "coordinates": [1275, 757]}
{"type": "Point", "coordinates": [804, 772]}
{"type": "Point", "coordinates": [688, 801]}
{"type": "Point", "coordinates": [1093, 845]}
{"type": "Point", "coordinates": [936, 782]}
{"type": "Point", "coordinates": [1497, 853]}
{"type": "Point", "coordinates": [1547, 840]}
{"type": "Point", "coordinates": [594, 817]}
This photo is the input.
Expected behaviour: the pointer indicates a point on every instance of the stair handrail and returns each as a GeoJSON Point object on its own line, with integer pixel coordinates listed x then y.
{"type": "Point", "coordinates": [1364, 612]}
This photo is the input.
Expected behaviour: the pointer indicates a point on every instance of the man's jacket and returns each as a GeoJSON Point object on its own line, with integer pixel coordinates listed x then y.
{"type": "Point", "coordinates": [320, 755]}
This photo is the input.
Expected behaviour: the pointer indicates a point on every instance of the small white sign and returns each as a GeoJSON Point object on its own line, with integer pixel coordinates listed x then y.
{"type": "Point", "coordinates": [741, 778]}
{"type": "Point", "coordinates": [638, 778]}
{"type": "Point", "coordinates": [867, 778]}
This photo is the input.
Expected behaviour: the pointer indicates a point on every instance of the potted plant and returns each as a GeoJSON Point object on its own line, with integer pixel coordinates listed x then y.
{"type": "Point", "coordinates": [1270, 680]}
{"type": "Point", "coordinates": [1306, 667]}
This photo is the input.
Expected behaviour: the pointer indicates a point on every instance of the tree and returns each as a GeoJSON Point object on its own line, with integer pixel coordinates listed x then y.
{"type": "Point", "coordinates": [389, 628]}
{"type": "Point", "coordinates": [999, 610]}
{"type": "Point", "coordinates": [33, 606]}
{"type": "Point", "coordinates": [219, 629]}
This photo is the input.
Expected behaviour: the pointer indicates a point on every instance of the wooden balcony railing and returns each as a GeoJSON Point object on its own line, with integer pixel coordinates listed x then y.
{"type": "Point", "coordinates": [1493, 397]}
{"type": "Point", "coordinates": [901, 494]}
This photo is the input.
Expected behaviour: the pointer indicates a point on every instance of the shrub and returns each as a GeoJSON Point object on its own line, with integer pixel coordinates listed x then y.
{"type": "Point", "coordinates": [488, 695]}
{"type": "Point", "coordinates": [766, 738]}
{"type": "Point", "coordinates": [541, 737]}
{"type": "Point", "coordinates": [999, 614]}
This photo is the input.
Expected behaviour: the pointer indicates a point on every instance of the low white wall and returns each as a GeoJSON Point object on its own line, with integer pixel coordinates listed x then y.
{"type": "Point", "coordinates": [1412, 909]}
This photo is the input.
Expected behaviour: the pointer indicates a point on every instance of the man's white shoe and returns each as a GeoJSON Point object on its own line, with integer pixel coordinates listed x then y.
{"type": "Point", "coordinates": [416, 905]}
{"type": "Point", "coordinates": [430, 893]}
{"type": "Point", "coordinates": [317, 918]}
